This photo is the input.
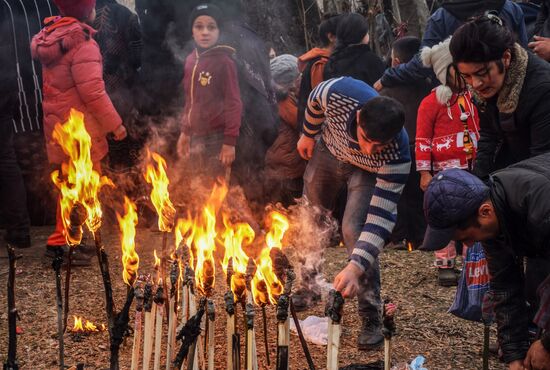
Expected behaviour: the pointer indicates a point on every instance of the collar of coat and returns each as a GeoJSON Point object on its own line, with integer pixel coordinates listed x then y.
{"type": "Point", "coordinates": [508, 97]}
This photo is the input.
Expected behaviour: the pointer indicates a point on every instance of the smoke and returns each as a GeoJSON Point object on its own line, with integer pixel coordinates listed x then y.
{"type": "Point", "coordinates": [311, 231]}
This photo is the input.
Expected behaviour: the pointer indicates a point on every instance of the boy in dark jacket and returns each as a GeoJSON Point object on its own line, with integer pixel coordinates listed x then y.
{"type": "Point", "coordinates": [515, 208]}
{"type": "Point", "coordinates": [410, 225]}
{"type": "Point", "coordinates": [212, 112]}
{"type": "Point", "coordinates": [352, 56]}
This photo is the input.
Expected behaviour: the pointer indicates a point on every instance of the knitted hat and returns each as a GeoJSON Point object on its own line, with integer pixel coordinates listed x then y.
{"type": "Point", "coordinates": [79, 9]}
{"type": "Point", "coordinates": [210, 10]}
{"type": "Point", "coordinates": [284, 70]}
{"type": "Point", "coordinates": [439, 58]}
{"type": "Point", "coordinates": [352, 28]}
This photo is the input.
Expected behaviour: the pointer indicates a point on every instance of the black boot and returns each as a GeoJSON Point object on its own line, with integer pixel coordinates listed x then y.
{"type": "Point", "coordinates": [370, 336]}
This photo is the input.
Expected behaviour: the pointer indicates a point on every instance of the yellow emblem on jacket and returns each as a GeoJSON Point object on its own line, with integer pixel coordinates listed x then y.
{"type": "Point", "coordinates": [204, 78]}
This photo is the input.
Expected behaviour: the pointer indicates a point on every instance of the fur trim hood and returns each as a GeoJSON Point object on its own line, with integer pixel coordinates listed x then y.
{"type": "Point", "coordinates": [61, 36]}
{"type": "Point", "coordinates": [508, 97]}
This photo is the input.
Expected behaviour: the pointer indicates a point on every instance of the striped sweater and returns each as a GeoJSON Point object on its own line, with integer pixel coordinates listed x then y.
{"type": "Point", "coordinates": [332, 108]}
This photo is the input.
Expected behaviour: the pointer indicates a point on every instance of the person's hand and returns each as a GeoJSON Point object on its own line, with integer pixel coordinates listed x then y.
{"type": "Point", "coordinates": [516, 365]}
{"type": "Point", "coordinates": [305, 147]}
{"type": "Point", "coordinates": [378, 85]}
{"type": "Point", "coordinates": [227, 155]}
{"type": "Point", "coordinates": [183, 146]}
{"type": "Point", "coordinates": [538, 358]}
{"type": "Point", "coordinates": [120, 133]}
{"type": "Point", "coordinates": [541, 47]}
{"type": "Point", "coordinates": [347, 280]}
{"type": "Point", "coordinates": [425, 178]}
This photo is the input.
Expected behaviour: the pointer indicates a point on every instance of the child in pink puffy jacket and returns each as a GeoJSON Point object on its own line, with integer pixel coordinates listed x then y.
{"type": "Point", "coordinates": [73, 78]}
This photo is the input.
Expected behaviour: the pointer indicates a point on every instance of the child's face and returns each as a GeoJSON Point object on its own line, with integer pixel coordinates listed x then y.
{"type": "Point", "coordinates": [205, 31]}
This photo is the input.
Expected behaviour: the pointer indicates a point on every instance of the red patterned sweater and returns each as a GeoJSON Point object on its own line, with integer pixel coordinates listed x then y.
{"type": "Point", "coordinates": [440, 133]}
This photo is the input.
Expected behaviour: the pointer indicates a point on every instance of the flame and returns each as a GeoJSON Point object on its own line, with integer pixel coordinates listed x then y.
{"type": "Point", "coordinates": [157, 259]}
{"type": "Point", "coordinates": [409, 246]}
{"type": "Point", "coordinates": [127, 225]}
{"type": "Point", "coordinates": [156, 176]}
{"type": "Point", "coordinates": [78, 181]}
{"type": "Point", "coordinates": [88, 327]}
{"type": "Point", "coordinates": [234, 238]}
{"type": "Point", "coordinates": [200, 234]}
{"type": "Point", "coordinates": [77, 324]}
{"type": "Point", "coordinates": [266, 287]}
{"type": "Point", "coordinates": [278, 226]}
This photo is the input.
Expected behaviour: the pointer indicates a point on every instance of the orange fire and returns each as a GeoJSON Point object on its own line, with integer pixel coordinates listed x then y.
{"type": "Point", "coordinates": [234, 238]}
{"type": "Point", "coordinates": [409, 246]}
{"type": "Point", "coordinates": [78, 181]}
{"type": "Point", "coordinates": [277, 229]}
{"type": "Point", "coordinates": [199, 233]}
{"type": "Point", "coordinates": [88, 327]}
{"type": "Point", "coordinates": [266, 288]}
{"type": "Point", "coordinates": [156, 176]}
{"type": "Point", "coordinates": [204, 240]}
{"type": "Point", "coordinates": [127, 225]}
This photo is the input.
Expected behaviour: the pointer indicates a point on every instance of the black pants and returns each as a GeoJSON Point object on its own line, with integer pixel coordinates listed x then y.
{"type": "Point", "coordinates": [411, 223]}
{"type": "Point", "coordinates": [13, 200]}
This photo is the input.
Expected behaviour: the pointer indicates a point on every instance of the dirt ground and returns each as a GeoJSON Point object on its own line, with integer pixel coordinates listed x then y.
{"type": "Point", "coordinates": [424, 327]}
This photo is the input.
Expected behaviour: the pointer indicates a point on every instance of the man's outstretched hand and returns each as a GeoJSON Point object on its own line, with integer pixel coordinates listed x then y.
{"type": "Point", "coordinates": [305, 147]}
{"type": "Point", "coordinates": [347, 281]}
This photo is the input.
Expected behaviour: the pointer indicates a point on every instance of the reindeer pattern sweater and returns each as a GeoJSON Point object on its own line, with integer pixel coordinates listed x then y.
{"type": "Point", "coordinates": [440, 133]}
{"type": "Point", "coordinates": [332, 108]}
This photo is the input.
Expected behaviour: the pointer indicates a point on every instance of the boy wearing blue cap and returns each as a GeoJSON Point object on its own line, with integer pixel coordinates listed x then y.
{"type": "Point", "coordinates": [515, 207]}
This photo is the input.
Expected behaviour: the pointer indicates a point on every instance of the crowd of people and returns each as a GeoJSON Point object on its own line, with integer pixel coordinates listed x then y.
{"type": "Point", "coordinates": [443, 143]}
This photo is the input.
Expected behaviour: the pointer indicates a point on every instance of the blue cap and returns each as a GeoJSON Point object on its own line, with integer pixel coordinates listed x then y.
{"type": "Point", "coordinates": [452, 197]}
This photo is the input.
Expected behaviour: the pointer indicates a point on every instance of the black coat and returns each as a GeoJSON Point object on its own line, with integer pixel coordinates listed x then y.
{"type": "Point", "coordinates": [356, 61]}
{"type": "Point", "coordinates": [542, 25]}
{"type": "Point", "coordinates": [520, 196]}
{"type": "Point", "coordinates": [516, 125]}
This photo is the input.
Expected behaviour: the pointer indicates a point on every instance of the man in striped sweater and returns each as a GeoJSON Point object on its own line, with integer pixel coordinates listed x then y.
{"type": "Point", "coordinates": [363, 146]}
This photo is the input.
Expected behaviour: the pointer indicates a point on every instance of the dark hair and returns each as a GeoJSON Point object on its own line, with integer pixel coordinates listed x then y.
{"type": "Point", "coordinates": [328, 25]}
{"type": "Point", "coordinates": [481, 40]}
{"type": "Point", "coordinates": [352, 28]}
{"type": "Point", "coordinates": [406, 48]}
{"type": "Point", "coordinates": [472, 220]}
{"type": "Point", "coordinates": [382, 118]}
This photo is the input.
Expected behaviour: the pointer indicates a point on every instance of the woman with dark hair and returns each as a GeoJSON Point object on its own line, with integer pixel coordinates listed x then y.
{"type": "Point", "coordinates": [513, 86]}
{"type": "Point", "coordinates": [352, 56]}
{"type": "Point", "coordinates": [514, 89]}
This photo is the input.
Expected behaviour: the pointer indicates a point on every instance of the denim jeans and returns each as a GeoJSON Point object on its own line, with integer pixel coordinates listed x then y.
{"type": "Point", "coordinates": [324, 178]}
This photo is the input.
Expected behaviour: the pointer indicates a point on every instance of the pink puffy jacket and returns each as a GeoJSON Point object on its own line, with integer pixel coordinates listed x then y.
{"type": "Point", "coordinates": [73, 78]}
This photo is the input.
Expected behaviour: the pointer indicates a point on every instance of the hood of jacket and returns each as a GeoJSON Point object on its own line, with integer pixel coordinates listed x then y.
{"type": "Point", "coordinates": [60, 35]}
{"type": "Point", "coordinates": [508, 97]}
{"type": "Point", "coordinates": [464, 9]}
{"type": "Point", "coordinates": [214, 51]}
{"type": "Point", "coordinates": [310, 55]}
